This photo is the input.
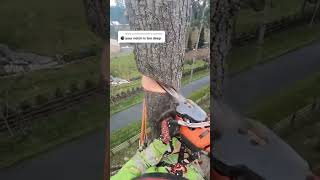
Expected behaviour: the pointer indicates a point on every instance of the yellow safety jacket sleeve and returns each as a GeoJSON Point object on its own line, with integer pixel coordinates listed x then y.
{"type": "Point", "coordinates": [141, 161]}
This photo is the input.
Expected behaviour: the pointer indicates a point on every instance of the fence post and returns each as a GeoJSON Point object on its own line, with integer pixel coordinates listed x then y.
{"type": "Point", "coordinates": [314, 103]}
{"type": "Point", "coordinates": [292, 120]}
{"type": "Point", "coordinates": [5, 116]}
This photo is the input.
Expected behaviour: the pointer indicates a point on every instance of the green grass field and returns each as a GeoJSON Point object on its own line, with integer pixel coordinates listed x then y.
{"type": "Point", "coordinates": [306, 141]}
{"type": "Point", "coordinates": [306, 138]}
{"type": "Point", "coordinates": [244, 57]}
{"type": "Point", "coordinates": [45, 82]}
{"type": "Point", "coordinates": [124, 66]}
{"type": "Point", "coordinates": [45, 26]}
{"type": "Point", "coordinates": [54, 130]}
{"type": "Point", "coordinates": [127, 132]}
{"type": "Point", "coordinates": [273, 109]}
{"type": "Point", "coordinates": [128, 102]}
{"type": "Point", "coordinates": [50, 27]}
{"type": "Point", "coordinates": [249, 19]}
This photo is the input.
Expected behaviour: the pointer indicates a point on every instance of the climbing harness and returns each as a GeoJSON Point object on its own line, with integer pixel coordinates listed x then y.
{"type": "Point", "coordinates": [143, 134]}
{"type": "Point", "coordinates": [187, 121]}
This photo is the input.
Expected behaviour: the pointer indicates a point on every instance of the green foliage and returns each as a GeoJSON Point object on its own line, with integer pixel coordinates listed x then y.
{"type": "Point", "coordinates": [46, 81]}
{"type": "Point", "coordinates": [124, 66]}
{"type": "Point", "coordinates": [45, 26]}
{"type": "Point", "coordinates": [124, 134]}
{"type": "Point", "coordinates": [248, 19]}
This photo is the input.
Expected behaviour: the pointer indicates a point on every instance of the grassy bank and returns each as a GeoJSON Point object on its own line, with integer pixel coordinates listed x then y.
{"type": "Point", "coordinates": [124, 66]}
{"type": "Point", "coordinates": [45, 26]}
{"type": "Point", "coordinates": [274, 108]}
{"type": "Point", "coordinates": [45, 82]}
{"type": "Point", "coordinates": [249, 19]}
{"type": "Point", "coordinates": [133, 100]}
{"type": "Point", "coordinates": [242, 58]}
{"type": "Point", "coordinates": [54, 130]}
{"type": "Point", "coordinates": [132, 129]}
{"type": "Point", "coordinates": [306, 141]}
{"type": "Point", "coordinates": [306, 138]}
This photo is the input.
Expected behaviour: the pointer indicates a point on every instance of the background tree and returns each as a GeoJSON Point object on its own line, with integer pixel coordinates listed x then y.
{"type": "Point", "coordinates": [222, 13]}
{"type": "Point", "coordinates": [203, 9]}
{"type": "Point", "coordinates": [190, 44]}
{"type": "Point", "coordinates": [160, 61]}
{"type": "Point", "coordinates": [201, 38]}
{"type": "Point", "coordinates": [98, 23]}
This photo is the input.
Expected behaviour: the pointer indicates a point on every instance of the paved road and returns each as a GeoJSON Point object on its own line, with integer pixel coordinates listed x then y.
{"type": "Point", "coordinates": [132, 114]}
{"type": "Point", "coordinates": [275, 160]}
{"type": "Point", "coordinates": [83, 158]}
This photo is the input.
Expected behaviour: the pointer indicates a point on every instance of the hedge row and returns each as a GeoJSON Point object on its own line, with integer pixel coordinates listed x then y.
{"type": "Point", "coordinates": [40, 99]}
{"type": "Point", "coordinates": [124, 95]}
{"type": "Point", "coordinates": [271, 27]}
{"type": "Point", "coordinates": [136, 90]}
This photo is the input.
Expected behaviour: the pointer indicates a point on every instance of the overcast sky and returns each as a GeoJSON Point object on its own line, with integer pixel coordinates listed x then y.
{"type": "Point", "coordinates": [112, 2]}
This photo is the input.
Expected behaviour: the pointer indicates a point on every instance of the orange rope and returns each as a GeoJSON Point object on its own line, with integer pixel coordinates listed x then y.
{"type": "Point", "coordinates": [143, 134]}
{"type": "Point", "coordinates": [149, 85]}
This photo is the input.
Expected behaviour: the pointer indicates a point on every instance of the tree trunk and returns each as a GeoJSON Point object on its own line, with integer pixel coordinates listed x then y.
{"type": "Point", "coordinates": [160, 61]}
{"type": "Point", "coordinates": [222, 13]}
{"type": "Point", "coordinates": [303, 7]}
{"type": "Point", "coordinates": [98, 23]}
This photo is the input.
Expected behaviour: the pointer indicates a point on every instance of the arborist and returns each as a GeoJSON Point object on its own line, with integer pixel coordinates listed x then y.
{"type": "Point", "coordinates": [185, 137]}
{"type": "Point", "coordinates": [182, 148]}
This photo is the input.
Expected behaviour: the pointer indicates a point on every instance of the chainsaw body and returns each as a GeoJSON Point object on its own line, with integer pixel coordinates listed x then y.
{"type": "Point", "coordinates": [189, 121]}
{"type": "Point", "coordinates": [249, 143]}
{"type": "Point", "coordinates": [242, 143]}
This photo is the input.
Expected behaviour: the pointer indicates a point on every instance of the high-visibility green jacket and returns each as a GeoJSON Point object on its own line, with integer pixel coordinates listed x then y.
{"type": "Point", "coordinates": [146, 161]}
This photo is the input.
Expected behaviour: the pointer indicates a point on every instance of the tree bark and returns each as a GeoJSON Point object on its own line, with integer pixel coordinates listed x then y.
{"type": "Point", "coordinates": [98, 24]}
{"type": "Point", "coordinates": [222, 13]}
{"type": "Point", "coordinates": [160, 61]}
